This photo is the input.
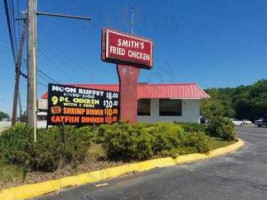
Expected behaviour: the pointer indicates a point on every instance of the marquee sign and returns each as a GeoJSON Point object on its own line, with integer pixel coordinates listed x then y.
{"type": "Point", "coordinates": [126, 49]}
{"type": "Point", "coordinates": [81, 106]}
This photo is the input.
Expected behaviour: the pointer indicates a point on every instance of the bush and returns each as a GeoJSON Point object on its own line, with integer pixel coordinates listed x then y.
{"type": "Point", "coordinates": [197, 142]}
{"type": "Point", "coordinates": [126, 142]}
{"type": "Point", "coordinates": [123, 141]}
{"type": "Point", "coordinates": [167, 137]}
{"type": "Point", "coordinates": [54, 148]}
{"type": "Point", "coordinates": [59, 146]}
{"type": "Point", "coordinates": [192, 127]}
{"type": "Point", "coordinates": [222, 128]}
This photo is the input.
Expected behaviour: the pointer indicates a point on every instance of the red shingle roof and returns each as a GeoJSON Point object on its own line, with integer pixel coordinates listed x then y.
{"type": "Point", "coordinates": [150, 91]}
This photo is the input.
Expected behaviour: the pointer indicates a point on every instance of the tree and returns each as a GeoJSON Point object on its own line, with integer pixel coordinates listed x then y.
{"type": "Point", "coordinates": [242, 102]}
{"type": "Point", "coordinates": [3, 115]}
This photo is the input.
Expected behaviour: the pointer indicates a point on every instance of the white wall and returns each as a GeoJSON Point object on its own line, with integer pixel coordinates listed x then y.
{"type": "Point", "coordinates": [190, 112]}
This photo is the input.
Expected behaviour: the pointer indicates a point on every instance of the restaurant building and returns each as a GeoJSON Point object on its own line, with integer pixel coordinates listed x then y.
{"type": "Point", "coordinates": [158, 102]}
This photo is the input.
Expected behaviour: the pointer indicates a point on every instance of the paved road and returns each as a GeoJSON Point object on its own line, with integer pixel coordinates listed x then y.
{"type": "Point", "coordinates": [4, 125]}
{"type": "Point", "coordinates": [238, 176]}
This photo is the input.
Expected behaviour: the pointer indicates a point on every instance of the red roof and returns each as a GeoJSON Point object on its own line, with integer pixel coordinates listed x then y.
{"type": "Point", "coordinates": [150, 91]}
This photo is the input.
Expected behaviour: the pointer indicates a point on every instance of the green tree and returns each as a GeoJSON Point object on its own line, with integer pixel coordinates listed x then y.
{"type": "Point", "coordinates": [242, 102]}
{"type": "Point", "coordinates": [3, 115]}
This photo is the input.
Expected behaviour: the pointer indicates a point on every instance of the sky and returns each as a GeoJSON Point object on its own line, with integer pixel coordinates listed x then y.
{"type": "Point", "coordinates": [214, 43]}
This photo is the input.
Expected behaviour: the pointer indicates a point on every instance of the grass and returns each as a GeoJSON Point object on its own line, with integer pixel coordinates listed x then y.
{"type": "Point", "coordinates": [218, 143]}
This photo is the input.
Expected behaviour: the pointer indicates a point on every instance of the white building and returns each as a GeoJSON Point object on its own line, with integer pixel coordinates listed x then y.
{"type": "Point", "coordinates": [162, 102]}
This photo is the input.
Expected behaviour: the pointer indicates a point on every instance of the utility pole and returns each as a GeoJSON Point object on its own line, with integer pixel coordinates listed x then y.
{"type": "Point", "coordinates": [32, 60]}
{"type": "Point", "coordinates": [31, 66]}
{"type": "Point", "coordinates": [18, 73]}
{"type": "Point", "coordinates": [20, 107]}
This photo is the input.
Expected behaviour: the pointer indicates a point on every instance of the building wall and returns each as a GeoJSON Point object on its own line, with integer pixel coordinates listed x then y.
{"type": "Point", "coordinates": [190, 112]}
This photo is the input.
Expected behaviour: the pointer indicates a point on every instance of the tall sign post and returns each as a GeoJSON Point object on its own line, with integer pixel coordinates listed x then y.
{"type": "Point", "coordinates": [130, 53]}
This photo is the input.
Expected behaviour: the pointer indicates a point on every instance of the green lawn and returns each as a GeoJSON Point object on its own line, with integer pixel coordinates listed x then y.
{"type": "Point", "coordinates": [218, 143]}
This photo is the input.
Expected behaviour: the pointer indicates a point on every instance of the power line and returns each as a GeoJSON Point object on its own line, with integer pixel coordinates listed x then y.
{"type": "Point", "coordinates": [14, 24]}
{"type": "Point", "coordinates": [43, 73]}
{"type": "Point", "coordinates": [7, 12]}
{"type": "Point", "coordinates": [26, 77]}
{"type": "Point", "coordinates": [64, 55]}
{"type": "Point", "coordinates": [42, 84]}
{"type": "Point", "coordinates": [62, 62]}
{"type": "Point", "coordinates": [47, 76]}
{"type": "Point", "coordinates": [18, 10]}
{"type": "Point", "coordinates": [51, 60]}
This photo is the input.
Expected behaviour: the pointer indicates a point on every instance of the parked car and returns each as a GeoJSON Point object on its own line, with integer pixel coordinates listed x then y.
{"type": "Point", "coordinates": [264, 121]}
{"type": "Point", "coordinates": [258, 122]}
{"type": "Point", "coordinates": [246, 122]}
{"type": "Point", "coordinates": [237, 122]}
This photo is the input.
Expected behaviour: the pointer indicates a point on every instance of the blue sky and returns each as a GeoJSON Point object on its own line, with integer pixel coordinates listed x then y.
{"type": "Point", "coordinates": [215, 43]}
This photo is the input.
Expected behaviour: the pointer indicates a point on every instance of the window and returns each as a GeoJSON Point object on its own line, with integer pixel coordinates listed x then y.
{"type": "Point", "coordinates": [170, 107]}
{"type": "Point", "coordinates": [143, 107]}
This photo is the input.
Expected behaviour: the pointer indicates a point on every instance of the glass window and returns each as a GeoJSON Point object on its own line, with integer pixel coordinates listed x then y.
{"type": "Point", "coordinates": [170, 107]}
{"type": "Point", "coordinates": [143, 107]}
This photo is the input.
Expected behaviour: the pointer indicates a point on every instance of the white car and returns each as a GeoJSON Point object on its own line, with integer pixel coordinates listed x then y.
{"type": "Point", "coordinates": [247, 122]}
{"type": "Point", "coordinates": [237, 122]}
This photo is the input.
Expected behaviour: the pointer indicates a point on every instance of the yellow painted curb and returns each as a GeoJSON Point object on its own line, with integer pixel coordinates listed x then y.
{"type": "Point", "coordinates": [33, 190]}
{"type": "Point", "coordinates": [214, 153]}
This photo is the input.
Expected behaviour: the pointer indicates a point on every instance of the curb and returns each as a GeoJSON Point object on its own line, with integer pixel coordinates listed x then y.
{"type": "Point", "coordinates": [37, 189]}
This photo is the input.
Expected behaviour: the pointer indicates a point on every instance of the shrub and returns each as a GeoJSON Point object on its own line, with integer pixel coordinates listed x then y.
{"type": "Point", "coordinates": [222, 128]}
{"type": "Point", "coordinates": [126, 142]}
{"type": "Point", "coordinates": [192, 127]}
{"type": "Point", "coordinates": [123, 141]}
{"type": "Point", "coordinates": [167, 137]}
{"type": "Point", "coordinates": [54, 148]}
{"type": "Point", "coordinates": [198, 142]}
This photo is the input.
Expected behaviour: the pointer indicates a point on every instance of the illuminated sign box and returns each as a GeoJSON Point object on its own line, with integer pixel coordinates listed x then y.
{"type": "Point", "coordinates": [126, 49]}
{"type": "Point", "coordinates": [70, 105]}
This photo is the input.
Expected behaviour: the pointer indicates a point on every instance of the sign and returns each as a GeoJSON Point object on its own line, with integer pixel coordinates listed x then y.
{"type": "Point", "coordinates": [70, 105]}
{"type": "Point", "coordinates": [126, 49]}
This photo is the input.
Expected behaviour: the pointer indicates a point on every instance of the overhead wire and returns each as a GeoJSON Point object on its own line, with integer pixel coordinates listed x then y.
{"type": "Point", "coordinates": [13, 21]}
{"type": "Point", "coordinates": [53, 62]}
{"type": "Point", "coordinates": [88, 32]}
{"type": "Point", "coordinates": [10, 32]}
{"type": "Point", "coordinates": [42, 73]}
{"type": "Point", "coordinates": [64, 56]}
{"type": "Point", "coordinates": [47, 76]}
{"type": "Point", "coordinates": [60, 62]}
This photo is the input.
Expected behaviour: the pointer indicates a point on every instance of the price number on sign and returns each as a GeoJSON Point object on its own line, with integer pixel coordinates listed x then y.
{"type": "Point", "coordinates": [108, 103]}
{"type": "Point", "coordinates": [110, 120]}
{"type": "Point", "coordinates": [111, 95]}
{"type": "Point", "coordinates": [110, 112]}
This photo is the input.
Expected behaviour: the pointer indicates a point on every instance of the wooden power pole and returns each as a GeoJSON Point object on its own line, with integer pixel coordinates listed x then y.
{"type": "Point", "coordinates": [17, 76]}
{"type": "Point", "coordinates": [31, 62]}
